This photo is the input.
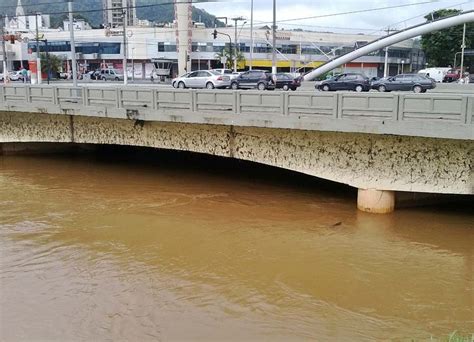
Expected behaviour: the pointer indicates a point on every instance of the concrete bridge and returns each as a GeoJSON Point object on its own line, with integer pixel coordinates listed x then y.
{"type": "Point", "coordinates": [380, 143]}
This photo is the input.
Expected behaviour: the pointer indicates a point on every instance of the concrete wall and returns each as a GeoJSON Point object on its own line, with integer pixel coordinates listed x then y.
{"type": "Point", "coordinates": [367, 161]}
{"type": "Point", "coordinates": [425, 115]}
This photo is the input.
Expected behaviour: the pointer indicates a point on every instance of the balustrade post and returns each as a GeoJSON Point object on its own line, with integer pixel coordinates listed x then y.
{"type": "Point", "coordinates": [194, 100]}
{"type": "Point", "coordinates": [55, 96]}
{"type": "Point", "coordinates": [238, 101]}
{"type": "Point", "coordinates": [339, 104]}
{"type": "Point", "coordinates": [401, 107]}
{"type": "Point", "coordinates": [470, 110]}
{"type": "Point", "coordinates": [85, 96]}
{"type": "Point", "coordinates": [118, 94]}
{"type": "Point", "coordinates": [27, 94]}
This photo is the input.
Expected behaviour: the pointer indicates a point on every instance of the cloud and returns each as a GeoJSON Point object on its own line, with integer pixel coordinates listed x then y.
{"type": "Point", "coordinates": [363, 22]}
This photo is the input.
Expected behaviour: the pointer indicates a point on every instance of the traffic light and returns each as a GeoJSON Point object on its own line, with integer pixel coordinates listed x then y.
{"type": "Point", "coordinates": [214, 34]}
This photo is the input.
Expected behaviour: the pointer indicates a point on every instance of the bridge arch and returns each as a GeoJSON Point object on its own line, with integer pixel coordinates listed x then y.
{"type": "Point", "coordinates": [363, 161]}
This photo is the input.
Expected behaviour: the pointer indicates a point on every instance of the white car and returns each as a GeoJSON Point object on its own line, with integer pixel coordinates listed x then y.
{"type": "Point", "coordinates": [15, 76]}
{"type": "Point", "coordinates": [227, 72]}
{"type": "Point", "coordinates": [201, 79]}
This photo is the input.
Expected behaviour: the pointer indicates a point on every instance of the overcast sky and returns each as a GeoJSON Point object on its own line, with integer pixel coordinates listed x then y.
{"type": "Point", "coordinates": [367, 22]}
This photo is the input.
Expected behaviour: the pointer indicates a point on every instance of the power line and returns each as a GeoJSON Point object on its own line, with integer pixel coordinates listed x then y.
{"type": "Point", "coordinates": [358, 11]}
{"type": "Point", "coordinates": [189, 2]}
{"type": "Point", "coordinates": [31, 5]}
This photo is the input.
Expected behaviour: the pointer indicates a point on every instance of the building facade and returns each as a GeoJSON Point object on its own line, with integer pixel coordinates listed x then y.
{"type": "Point", "coordinates": [298, 51]}
{"type": "Point", "coordinates": [116, 10]}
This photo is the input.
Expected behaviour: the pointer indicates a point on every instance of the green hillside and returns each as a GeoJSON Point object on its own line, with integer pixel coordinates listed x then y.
{"type": "Point", "coordinates": [91, 10]}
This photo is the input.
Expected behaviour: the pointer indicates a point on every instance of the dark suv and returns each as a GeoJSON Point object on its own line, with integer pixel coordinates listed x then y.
{"type": "Point", "coordinates": [347, 81]}
{"type": "Point", "coordinates": [259, 79]}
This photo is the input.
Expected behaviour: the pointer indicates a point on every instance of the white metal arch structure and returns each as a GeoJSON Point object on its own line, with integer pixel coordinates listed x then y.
{"type": "Point", "coordinates": [391, 39]}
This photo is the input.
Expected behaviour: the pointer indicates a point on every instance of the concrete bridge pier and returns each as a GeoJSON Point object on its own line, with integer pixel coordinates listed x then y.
{"type": "Point", "coordinates": [376, 201]}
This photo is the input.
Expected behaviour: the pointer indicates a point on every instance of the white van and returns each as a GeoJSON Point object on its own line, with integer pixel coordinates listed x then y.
{"type": "Point", "coordinates": [435, 73]}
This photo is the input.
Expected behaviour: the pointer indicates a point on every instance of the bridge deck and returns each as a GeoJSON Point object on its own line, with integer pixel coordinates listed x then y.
{"type": "Point", "coordinates": [426, 115]}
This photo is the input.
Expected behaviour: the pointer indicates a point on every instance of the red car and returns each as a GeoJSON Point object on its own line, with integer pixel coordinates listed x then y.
{"type": "Point", "coordinates": [452, 75]}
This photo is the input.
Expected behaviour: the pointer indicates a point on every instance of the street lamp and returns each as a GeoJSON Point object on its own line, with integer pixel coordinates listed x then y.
{"type": "Point", "coordinates": [251, 35]}
{"type": "Point", "coordinates": [403, 65]}
{"type": "Point", "coordinates": [133, 64]}
{"type": "Point", "coordinates": [198, 58]}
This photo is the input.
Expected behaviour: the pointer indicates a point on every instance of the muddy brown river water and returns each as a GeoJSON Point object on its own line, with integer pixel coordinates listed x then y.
{"type": "Point", "coordinates": [129, 250]}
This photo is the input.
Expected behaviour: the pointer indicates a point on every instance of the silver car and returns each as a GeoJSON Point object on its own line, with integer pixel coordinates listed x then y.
{"type": "Point", "coordinates": [201, 79]}
{"type": "Point", "coordinates": [110, 75]}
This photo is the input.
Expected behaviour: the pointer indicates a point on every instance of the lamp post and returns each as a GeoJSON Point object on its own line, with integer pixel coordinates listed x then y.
{"type": "Point", "coordinates": [462, 48]}
{"type": "Point", "coordinates": [198, 58]}
{"type": "Point", "coordinates": [403, 66]}
{"type": "Point", "coordinates": [133, 64]}
{"type": "Point", "coordinates": [125, 47]}
{"type": "Point", "coordinates": [73, 45]}
{"type": "Point", "coordinates": [236, 20]}
{"type": "Point", "coordinates": [251, 35]}
{"type": "Point", "coordinates": [274, 61]}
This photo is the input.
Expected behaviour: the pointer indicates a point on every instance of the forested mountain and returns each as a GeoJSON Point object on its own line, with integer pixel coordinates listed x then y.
{"type": "Point", "coordinates": [161, 11]}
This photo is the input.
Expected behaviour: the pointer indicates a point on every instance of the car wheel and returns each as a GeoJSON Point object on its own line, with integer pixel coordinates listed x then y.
{"type": "Point", "coordinates": [325, 88]}
{"type": "Point", "coordinates": [104, 79]}
{"type": "Point", "coordinates": [117, 79]}
{"type": "Point", "coordinates": [286, 87]}
{"type": "Point", "coordinates": [234, 86]}
{"type": "Point", "coordinates": [359, 88]}
{"type": "Point", "coordinates": [382, 89]}
{"type": "Point", "coordinates": [209, 85]}
{"type": "Point", "coordinates": [181, 85]}
{"type": "Point", "coordinates": [261, 86]}
{"type": "Point", "coordinates": [293, 89]}
{"type": "Point", "coordinates": [417, 89]}
{"type": "Point", "coordinates": [423, 91]}
{"type": "Point", "coordinates": [173, 84]}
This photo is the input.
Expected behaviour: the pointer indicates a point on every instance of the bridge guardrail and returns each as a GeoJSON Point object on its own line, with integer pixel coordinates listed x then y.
{"type": "Point", "coordinates": [299, 108]}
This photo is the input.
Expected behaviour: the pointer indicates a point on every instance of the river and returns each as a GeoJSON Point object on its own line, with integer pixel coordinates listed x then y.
{"type": "Point", "coordinates": [183, 248]}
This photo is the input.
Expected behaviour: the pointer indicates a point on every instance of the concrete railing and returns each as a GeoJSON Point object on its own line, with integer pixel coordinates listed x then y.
{"type": "Point", "coordinates": [429, 115]}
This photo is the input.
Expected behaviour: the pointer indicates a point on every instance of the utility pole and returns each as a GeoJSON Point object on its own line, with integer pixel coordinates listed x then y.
{"type": "Point", "coordinates": [462, 50]}
{"type": "Point", "coordinates": [251, 35]}
{"type": "Point", "coordinates": [125, 47]}
{"type": "Point", "coordinates": [73, 44]}
{"type": "Point", "coordinates": [38, 56]}
{"type": "Point", "coordinates": [4, 52]}
{"type": "Point", "coordinates": [236, 20]}
{"type": "Point", "coordinates": [274, 28]}
{"type": "Point", "coordinates": [385, 67]}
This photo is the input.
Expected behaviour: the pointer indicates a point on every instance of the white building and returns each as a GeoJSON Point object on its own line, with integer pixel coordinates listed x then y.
{"type": "Point", "coordinates": [113, 14]}
{"type": "Point", "coordinates": [300, 51]}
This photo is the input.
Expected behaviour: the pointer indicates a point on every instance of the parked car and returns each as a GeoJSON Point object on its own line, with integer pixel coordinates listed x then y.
{"type": "Point", "coordinates": [15, 76]}
{"type": "Point", "coordinates": [259, 79]}
{"type": "Point", "coordinates": [415, 82]}
{"type": "Point", "coordinates": [347, 81]}
{"type": "Point", "coordinates": [174, 81]}
{"type": "Point", "coordinates": [452, 75]}
{"type": "Point", "coordinates": [110, 75]}
{"type": "Point", "coordinates": [286, 82]}
{"type": "Point", "coordinates": [94, 74]}
{"type": "Point", "coordinates": [201, 79]}
{"type": "Point", "coordinates": [435, 73]}
{"type": "Point", "coordinates": [227, 72]}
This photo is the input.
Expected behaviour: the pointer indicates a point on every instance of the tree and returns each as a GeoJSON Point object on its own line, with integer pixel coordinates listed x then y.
{"type": "Point", "coordinates": [229, 56]}
{"type": "Point", "coordinates": [441, 46]}
{"type": "Point", "coordinates": [51, 63]}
